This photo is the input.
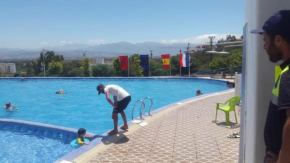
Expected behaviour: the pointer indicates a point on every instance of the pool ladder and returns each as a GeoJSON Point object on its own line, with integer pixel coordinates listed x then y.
{"type": "Point", "coordinates": [142, 107]}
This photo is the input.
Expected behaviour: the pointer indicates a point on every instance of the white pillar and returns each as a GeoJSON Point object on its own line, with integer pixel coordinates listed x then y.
{"type": "Point", "coordinates": [259, 79]}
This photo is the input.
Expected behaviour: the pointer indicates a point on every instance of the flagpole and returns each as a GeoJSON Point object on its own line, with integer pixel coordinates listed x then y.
{"type": "Point", "coordinates": [149, 65]}
{"type": "Point", "coordinates": [179, 63]}
{"type": "Point", "coordinates": [128, 65]}
{"type": "Point", "coordinates": [170, 64]}
{"type": "Point", "coordinates": [188, 66]}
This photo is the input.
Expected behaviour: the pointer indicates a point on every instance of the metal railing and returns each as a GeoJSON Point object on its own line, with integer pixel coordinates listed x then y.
{"type": "Point", "coordinates": [142, 107]}
{"type": "Point", "coordinates": [225, 71]}
{"type": "Point", "coordinates": [145, 105]}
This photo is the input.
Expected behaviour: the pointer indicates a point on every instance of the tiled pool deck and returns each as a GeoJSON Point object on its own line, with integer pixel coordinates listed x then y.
{"type": "Point", "coordinates": [184, 133]}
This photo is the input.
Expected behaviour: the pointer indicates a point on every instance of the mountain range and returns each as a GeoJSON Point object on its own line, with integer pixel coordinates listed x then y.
{"type": "Point", "coordinates": [75, 51]}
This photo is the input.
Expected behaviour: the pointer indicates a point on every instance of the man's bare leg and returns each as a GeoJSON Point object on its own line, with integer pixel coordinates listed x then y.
{"type": "Point", "coordinates": [115, 118]}
{"type": "Point", "coordinates": [125, 126]}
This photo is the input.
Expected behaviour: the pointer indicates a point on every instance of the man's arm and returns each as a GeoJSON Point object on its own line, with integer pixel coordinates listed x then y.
{"type": "Point", "coordinates": [115, 101]}
{"type": "Point", "coordinates": [109, 99]}
{"type": "Point", "coordinates": [284, 156]}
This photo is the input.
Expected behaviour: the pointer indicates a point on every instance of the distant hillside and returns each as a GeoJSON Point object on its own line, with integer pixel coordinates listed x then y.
{"type": "Point", "coordinates": [74, 51]}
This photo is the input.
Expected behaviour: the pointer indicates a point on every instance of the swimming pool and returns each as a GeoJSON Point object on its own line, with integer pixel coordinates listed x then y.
{"type": "Point", "coordinates": [25, 148]}
{"type": "Point", "coordinates": [83, 107]}
{"type": "Point", "coordinates": [29, 142]}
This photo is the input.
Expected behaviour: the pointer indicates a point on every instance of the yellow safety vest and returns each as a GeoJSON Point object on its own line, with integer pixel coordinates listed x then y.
{"type": "Point", "coordinates": [275, 91]}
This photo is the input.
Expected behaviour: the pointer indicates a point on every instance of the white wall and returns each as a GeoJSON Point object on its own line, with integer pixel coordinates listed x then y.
{"type": "Point", "coordinates": [259, 78]}
{"type": "Point", "coordinates": [238, 84]}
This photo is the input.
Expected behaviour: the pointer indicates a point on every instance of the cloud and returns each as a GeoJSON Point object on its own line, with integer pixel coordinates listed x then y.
{"type": "Point", "coordinates": [66, 42]}
{"type": "Point", "coordinates": [44, 43]}
{"type": "Point", "coordinates": [199, 39]}
{"type": "Point", "coordinates": [96, 41]}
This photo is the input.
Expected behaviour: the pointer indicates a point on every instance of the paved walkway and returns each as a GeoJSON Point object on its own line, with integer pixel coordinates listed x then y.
{"type": "Point", "coordinates": [185, 134]}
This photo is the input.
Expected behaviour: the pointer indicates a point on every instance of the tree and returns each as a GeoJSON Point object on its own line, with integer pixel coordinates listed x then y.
{"type": "Point", "coordinates": [77, 72]}
{"type": "Point", "coordinates": [135, 65]}
{"type": "Point", "coordinates": [48, 57]}
{"type": "Point", "coordinates": [17, 74]}
{"type": "Point", "coordinates": [69, 66]}
{"type": "Point", "coordinates": [218, 63]}
{"type": "Point", "coordinates": [195, 64]}
{"type": "Point", "coordinates": [86, 67]}
{"type": "Point", "coordinates": [103, 71]}
{"type": "Point", "coordinates": [236, 58]}
{"type": "Point", "coordinates": [156, 68]}
{"type": "Point", "coordinates": [29, 69]}
{"type": "Point", "coordinates": [231, 38]}
{"type": "Point", "coordinates": [55, 68]}
{"type": "Point", "coordinates": [175, 65]}
{"type": "Point", "coordinates": [117, 68]}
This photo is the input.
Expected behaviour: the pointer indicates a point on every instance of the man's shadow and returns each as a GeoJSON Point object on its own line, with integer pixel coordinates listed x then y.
{"type": "Point", "coordinates": [109, 139]}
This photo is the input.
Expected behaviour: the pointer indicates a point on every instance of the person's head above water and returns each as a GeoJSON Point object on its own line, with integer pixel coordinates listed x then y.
{"type": "Point", "coordinates": [100, 88]}
{"type": "Point", "coordinates": [60, 92]}
{"type": "Point", "coordinates": [198, 92]}
{"type": "Point", "coordinates": [8, 105]}
{"type": "Point", "coordinates": [82, 132]}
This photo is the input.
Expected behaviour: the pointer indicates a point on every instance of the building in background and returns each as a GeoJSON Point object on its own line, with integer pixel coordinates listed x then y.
{"type": "Point", "coordinates": [202, 47]}
{"type": "Point", "coordinates": [102, 61]}
{"type": "Point", "coordinates": [8, 68]}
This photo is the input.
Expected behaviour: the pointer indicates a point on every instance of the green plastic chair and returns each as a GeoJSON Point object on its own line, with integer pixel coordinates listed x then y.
{"type": "Point", "coordinates": [227, 107]}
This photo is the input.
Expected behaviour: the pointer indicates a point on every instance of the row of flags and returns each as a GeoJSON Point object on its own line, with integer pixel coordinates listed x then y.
{"type": "Point", "coordinates": [183, 61]}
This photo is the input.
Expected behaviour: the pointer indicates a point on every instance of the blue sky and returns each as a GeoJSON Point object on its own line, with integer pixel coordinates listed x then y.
{"type": "Point", "coordinates": [40, 23]}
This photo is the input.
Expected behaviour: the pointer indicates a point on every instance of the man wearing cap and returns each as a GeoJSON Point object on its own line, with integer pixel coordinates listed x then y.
{"type": "Point", "coordinates": [276, 33]}
{"type": "Point", "coordinates": [119, 106]}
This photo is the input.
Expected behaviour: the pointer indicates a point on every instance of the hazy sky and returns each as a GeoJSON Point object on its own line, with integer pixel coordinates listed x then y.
{"type": "Point", "coordinates": [40, 23]}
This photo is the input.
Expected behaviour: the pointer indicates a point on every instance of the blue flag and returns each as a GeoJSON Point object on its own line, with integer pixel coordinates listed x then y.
{"type": "Point", "coordinates": [144, 61]}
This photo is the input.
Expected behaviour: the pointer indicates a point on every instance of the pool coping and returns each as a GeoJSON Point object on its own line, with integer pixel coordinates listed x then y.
{"type": "Point", "coordinates": [100, 144]}
{"type": "Point", "coordinates": [42, 125]}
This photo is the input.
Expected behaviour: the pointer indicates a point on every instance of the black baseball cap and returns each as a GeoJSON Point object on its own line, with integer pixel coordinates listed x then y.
{"type": "Point", "coordinates": [278, 23]}
{"type": "Point", "coordinates": [99, 88]}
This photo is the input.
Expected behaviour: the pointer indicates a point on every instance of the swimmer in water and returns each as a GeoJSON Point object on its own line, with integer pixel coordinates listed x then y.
{"type": "Point", "coordinates": [9, 107]}
{"type": "Point", "coordinates": [60, 92]}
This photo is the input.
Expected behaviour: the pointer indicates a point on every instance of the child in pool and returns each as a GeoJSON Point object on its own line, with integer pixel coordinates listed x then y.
{"type": "Point", "coordinates": [81, 136]}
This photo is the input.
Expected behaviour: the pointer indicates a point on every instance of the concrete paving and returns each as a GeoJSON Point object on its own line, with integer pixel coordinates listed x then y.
{"type": "Point", "coordinates": [184, 134]}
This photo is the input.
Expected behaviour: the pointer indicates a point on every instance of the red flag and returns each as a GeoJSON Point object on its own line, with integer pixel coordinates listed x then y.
{"type": "Point", "coordinates": [124, 62]}
{"type": "Point", "coordinates": [166, 60]}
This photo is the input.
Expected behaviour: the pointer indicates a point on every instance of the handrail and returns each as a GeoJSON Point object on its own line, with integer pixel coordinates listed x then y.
{"type": "Point", "coordinates": [142, 105]}
{"type": "Point", "coordinates": [225, 69]}
{"type": "Point", "coordinates": [145, 105]}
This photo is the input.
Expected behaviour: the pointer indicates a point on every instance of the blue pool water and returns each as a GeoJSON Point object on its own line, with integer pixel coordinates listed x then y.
{"type": "Point", "coordinates": [24, 148]}
{"type": "Point", "coordinates": [83, 107]}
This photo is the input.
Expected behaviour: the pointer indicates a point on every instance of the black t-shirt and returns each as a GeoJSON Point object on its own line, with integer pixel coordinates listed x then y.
{"type": "Point", "coordinates": [276, 117]}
